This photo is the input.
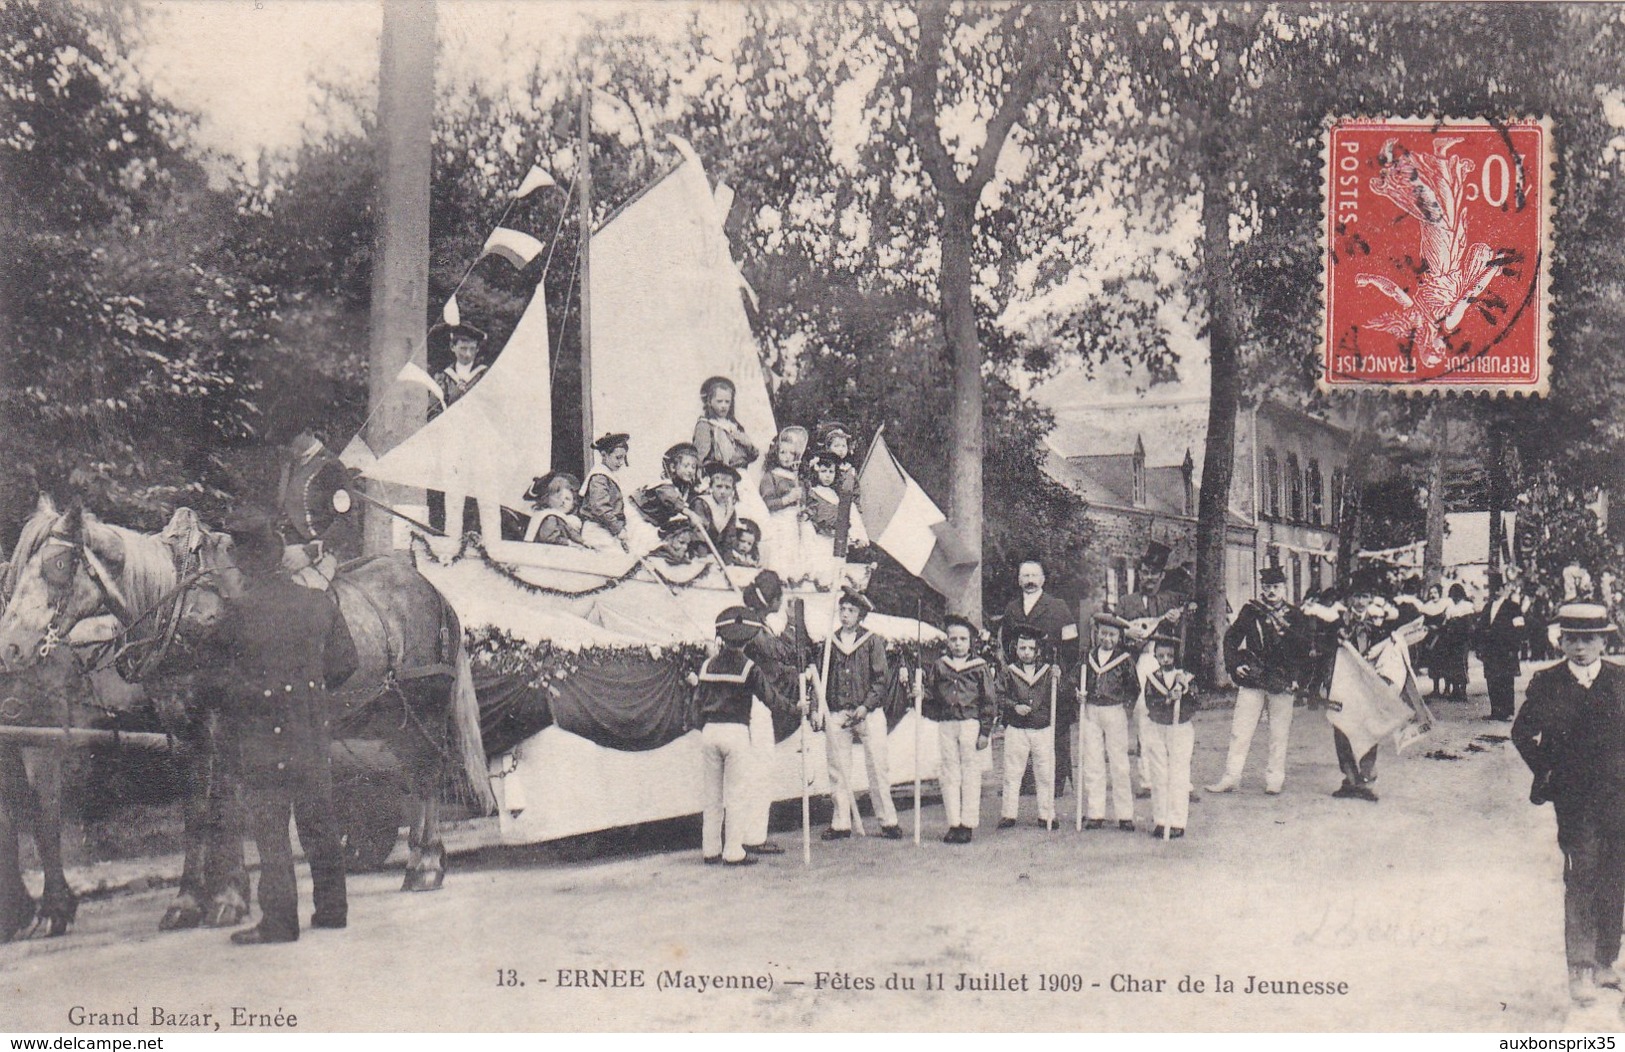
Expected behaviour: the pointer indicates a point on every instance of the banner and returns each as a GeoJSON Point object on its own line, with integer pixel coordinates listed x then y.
{"type": "Point", "coordinates": [1364, 706]}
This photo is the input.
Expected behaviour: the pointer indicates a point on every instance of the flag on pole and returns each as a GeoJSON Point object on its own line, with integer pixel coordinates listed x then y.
{"type": "Point", "coordinates": [450, 314]}
{"type": "Point", "coordinates": [413, 374]}
{"type": "Point", "coordinates": [1364, 705]}
{"type": "Point", "coordinates": [534, 180]}
{"type": "Point", "coordinates": [902, 519]}
{"type": "Point", "coordinates": [512, 245]}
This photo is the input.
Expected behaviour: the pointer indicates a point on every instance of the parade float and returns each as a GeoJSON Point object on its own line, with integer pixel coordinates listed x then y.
{"type": "Point", "coordinates": [581, 656]}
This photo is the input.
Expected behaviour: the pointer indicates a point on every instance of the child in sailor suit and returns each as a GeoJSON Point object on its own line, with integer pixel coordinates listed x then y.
{"type": "Point", "coordinates": [959, 697]}
{"type": "Point", "coordinates": [1170, 702]}
{"type": "Point", "coordinates": [1027, 693]}
{"type": "Point", "coordinates": [1109, 688]}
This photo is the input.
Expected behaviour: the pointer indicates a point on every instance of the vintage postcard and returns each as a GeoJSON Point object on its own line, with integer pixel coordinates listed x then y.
{"type": "Point", "coordinates": [774, 517]}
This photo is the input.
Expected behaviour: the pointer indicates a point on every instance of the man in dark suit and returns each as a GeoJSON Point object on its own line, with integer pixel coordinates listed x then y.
{"type": "Point", "coordinates": [1500, 641]}
{"type": "Point", "coordinates": [1571, 733]}
{"type": "Point", "coordinates": [1055, 619]}
{"type": "Point", "coordinates": [286, 646]}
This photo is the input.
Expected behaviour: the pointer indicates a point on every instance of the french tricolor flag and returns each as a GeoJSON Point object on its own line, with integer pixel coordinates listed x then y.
{"type": "Point", "coordinates": [909, 527]}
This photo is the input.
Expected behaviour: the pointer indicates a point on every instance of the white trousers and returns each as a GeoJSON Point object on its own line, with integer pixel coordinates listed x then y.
{"type": "Point", "coordinates": [1166, 750]}
{"type": "Point", "coordinates": [1250, 705]}
{"type": "Point", "coordinates": [1104, 733]}
{"type": "Point", "coordinates": [1021, 743]}
{"type": "Point", "coordinates": [725, 748]}
{"type": "Point", "coordinates": [961, 772]}
{"type": "Point", "coordinates": [763, 749]}
{"type": "Point", "coordinates": [838, 743]}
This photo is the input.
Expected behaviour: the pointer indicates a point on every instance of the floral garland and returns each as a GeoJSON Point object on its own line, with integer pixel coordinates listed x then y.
{"type": "Point", "coordinates": [544, 665]}
{"type": "Point", "coordinates": [472, 545]}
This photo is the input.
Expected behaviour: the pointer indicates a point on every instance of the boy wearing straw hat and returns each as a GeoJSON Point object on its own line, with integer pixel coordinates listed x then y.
{"type": "Point", "coordinates": [1571, 733]}
{"type": "Point", "coordinates": [1170, 738]}
{"type": "Point", "coordinates": [1027, 694]}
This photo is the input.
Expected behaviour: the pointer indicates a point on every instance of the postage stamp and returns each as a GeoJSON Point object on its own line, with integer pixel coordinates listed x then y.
{"type": "Point", "coordinates": [1438, 255]}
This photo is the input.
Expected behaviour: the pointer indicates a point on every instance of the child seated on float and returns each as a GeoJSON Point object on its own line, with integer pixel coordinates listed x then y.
{"type": "Point", "coordinates": [742, 544]}
{"type": "Point", "coordinates": [821, 515]}
{"type": "Point", "coordinates": [553, 496]}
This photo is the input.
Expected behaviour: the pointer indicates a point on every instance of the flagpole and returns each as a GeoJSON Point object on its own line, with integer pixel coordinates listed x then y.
{"type": "Point", "coordinates": [1077, 754]}
{"type": "Point", "coordinates": [919, 696]}
{"type": "Point", "coordinates": [1054, 710]}
{"type": "Point", "coordinates": [585, 253]}
{"type": "Point", "coordinates": [806, 799]}
{"type": "Point", "coordinates": [1168, 764]}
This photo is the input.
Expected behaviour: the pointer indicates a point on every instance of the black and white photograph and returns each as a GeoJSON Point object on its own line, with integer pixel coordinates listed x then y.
{"type": "Point", "coordinates": [754, 516]}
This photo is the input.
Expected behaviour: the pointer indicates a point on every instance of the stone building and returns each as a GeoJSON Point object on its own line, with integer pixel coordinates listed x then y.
{"type": "Point", "coordinates": [1136, 465]}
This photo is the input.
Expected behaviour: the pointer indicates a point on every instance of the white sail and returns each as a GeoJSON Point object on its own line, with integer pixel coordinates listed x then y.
{"type": "Point", "coordinates": [493, 440]}
{"type": "Point", "coordinates": [667, 313]}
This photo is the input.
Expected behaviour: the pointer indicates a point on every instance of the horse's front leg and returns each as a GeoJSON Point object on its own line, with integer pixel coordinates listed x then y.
{"type": "Point", "coordinates": [58, 905]}
{"type": "Point", "coordinates": [426, 868]}
{"type": "Point", "coordinates": [16, 905]}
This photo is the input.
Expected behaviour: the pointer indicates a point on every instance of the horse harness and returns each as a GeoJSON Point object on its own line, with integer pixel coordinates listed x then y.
{"type": "Point", "coordinates": [58, 567]}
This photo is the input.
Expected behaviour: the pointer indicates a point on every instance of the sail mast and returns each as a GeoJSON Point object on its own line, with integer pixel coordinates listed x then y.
{"type": "Point", "coordinates": [584, 180]}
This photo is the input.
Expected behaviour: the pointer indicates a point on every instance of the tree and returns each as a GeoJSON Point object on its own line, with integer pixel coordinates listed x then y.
{"type": "Point", "coordinates": [126, 324]}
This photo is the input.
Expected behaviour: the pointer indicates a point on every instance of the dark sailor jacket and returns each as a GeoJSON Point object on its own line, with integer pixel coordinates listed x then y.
{"type": "Point", "coordinates": [859, 673]}
{"type": "Point", "coordinates": [1573, 739]}
{"type": "Point", "coordinates": [727, 683]}
{"type": "Point", "coordinates": [1024, 685]}
{"type": "Point", "coordinates": [286, 646]}
{"type": "Point", "coordinates": [601, 501]}
{"type": "Point", "coordinates": [1159, 702]}
{"type": "Point", "coordinates": [961, 690]}
{"type": "Point", "coordinates": [1272, 645]}
{"type": "Point", "coordinates": [1108, 680]}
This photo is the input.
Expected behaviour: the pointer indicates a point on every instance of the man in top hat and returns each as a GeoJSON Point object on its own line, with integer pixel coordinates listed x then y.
{"type": "Point", "coordinates": [1500, 641]}
{"type": "Point", "coordinates": [603, 503]}
{"type": "Point", "coordinates": [724, 689]}
{"type": "Point", "coordinates": [285, 647]}
{"type": "Point", "coordinates": [1265, 650]}
{"type": "Point", "coordinates": [1054, 618]}
{"type": "Point", "coordinates": [1571, 733]}
{"type": "Point", "coordinates": [859, 676]}
{"type": "Point", "coordinates": [1157, 606]}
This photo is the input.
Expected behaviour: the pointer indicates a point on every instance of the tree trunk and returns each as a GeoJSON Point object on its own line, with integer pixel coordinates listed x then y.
{"type": "Point", "coordinates": [965, 349]}
{"type": "Point", "coordinates": [1351, 523]}
{"type": "Point", "coordinates": [1224, 403]}
{"type": "Point", "coordinates": [400, 272]}
{"type": "Point", "coordinates": [1500, 487]}
{"type": "Point", "coordinates": [1433, 562]}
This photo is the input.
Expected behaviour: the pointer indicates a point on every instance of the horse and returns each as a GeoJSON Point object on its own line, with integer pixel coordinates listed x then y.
{"type": "Point", "coordinates": [413, 688]}
{"type": "Point", "coordinates": [62, 689]}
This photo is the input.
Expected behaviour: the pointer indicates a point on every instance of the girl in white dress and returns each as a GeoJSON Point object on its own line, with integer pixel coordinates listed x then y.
{"type": "Point", "coordinates": [782, 492]}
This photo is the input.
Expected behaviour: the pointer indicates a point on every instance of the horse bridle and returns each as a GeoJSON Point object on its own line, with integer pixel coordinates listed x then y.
{"type": "Point", "coordinates": [59, 571]}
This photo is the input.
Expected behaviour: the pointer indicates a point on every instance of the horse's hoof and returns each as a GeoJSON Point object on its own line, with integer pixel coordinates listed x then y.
{"type": "Point", "coordinates": [423, 880]}
{"type": "Point", "coordinates": [22, 922]}
{"type": "Point", "coordinates": [224, 915]}
{"type": "Point", "coordinates": [57, 926]}
{"type": "Point", "coordinates": [180, 918]}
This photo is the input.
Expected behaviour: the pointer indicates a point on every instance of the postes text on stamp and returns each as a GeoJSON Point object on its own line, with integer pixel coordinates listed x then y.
{"type": "Point", "coordinates": [1437, 237]}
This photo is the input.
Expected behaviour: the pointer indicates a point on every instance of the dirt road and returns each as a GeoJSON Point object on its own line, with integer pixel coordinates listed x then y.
{"type": "Point", "coordinates": [1438, 908]}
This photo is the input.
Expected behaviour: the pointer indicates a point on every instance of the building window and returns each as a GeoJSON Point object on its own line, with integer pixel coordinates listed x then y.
{"type": "Point", "coordinates": [1118, 583]}
{"type": "Point", "coordinates": [1337, 497]}
{"type": "Point", "coordinates": [1272, 485]}
{"type": "Point", "coordinates": [1294, 489]}
{"type": "Point", "coordinates": [1139, 477]}
{"type": "Point", "coordinates": [1317, 500]}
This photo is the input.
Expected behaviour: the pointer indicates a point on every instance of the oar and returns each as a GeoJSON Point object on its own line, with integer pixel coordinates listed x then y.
{"type": "Point", "coordinates": [919, 715]}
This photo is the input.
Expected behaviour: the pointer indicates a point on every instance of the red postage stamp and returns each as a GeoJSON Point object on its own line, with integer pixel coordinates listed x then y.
{"type": "Point", "coordinates": [1438, 248]}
